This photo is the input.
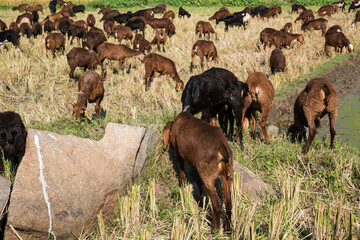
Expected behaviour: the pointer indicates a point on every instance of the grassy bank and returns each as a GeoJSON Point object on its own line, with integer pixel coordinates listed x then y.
{"type": "Point", "coordinates": [315, 195]}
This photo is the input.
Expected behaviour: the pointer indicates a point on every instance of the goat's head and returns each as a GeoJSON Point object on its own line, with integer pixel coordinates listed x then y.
{"type": "Point", "coordinates": [350, 48]}
{"type": "Point", "coordinates": [301, 39]}
{"type": "Point", "coordinates": [179, 85]}
{"type": "Point", "coordinates": [167, 133]}
{"type": "Point", "coordinates": [79, 112]}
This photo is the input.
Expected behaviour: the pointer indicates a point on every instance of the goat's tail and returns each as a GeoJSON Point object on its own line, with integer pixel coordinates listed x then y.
{"type": "Point", "coordinates": [326, 93]}
{"type": "Point", "coordinates": [228, 159]}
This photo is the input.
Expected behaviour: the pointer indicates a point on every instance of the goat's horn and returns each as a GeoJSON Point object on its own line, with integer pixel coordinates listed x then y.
{"type": "Point", "coordinates": [186, 108]}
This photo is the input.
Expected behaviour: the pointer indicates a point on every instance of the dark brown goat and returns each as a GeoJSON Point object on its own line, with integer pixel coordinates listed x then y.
{"type": "Point", "coordinates": [165, 66]}
{"type": "Point", "coordinates": [314, 102]}
{"type": "Point", "coordinates": [35, 8]}
{"type": "Point", "coordinates": [284, 39]}
{"type": "Point", "coordinates": [169, 14]}
{"type": "Point", "coordinates": [317, 24]}
{"type": "Point", "coordinates": [49, 26]}
{"type": "Point", "coordinates": [25, 30]}
{"type": "Point", "coordinates": [273, 12]}
{"type": "Point", "coordinates": [21, 7]}
{"type": "Point", "coordinates": [90, 20]}
{"type": "Point", "coordinates": [108, 26]}
{"type": "Point", "coordinates": [79, 57]}
{"type": "Point", "coordinates": [288, 27]}
{"type": "Point", "coordinates": [109, 15]}
{"type": "Point", "coordinates": [12, 138]}
{"type": "Point", "coordinates": [325, 10]}
{"type": "Point", "coordinates": [259, 98]}
{"type": "Point", "coordinates": [14, 26]}
{"type": "Point", "coordinates": [306, 16]}
{"type": "Point", "coordinates": [91, 89]}
{"type": "Point", "coordinates": [36, 29]}
{"type": "Point", "coordinates": [76, 31]}
{"type": "Point", "coordinates": [141, 43]}
{"type": "Point", "coordinates": [149, 14]}
{"type": "Point", "coordinates": [160, 38]}
{"type": "Point", "coordinates": [203, 48]}
{"type": "Point", "coordinates": [205, 147]}
{"type": "Point", "coordinates": [204, 28]}
{"type": "Point", "coordinates": [220, 14]}
{"type": "Point", "coordinates": [277, 61]}
{"type": "Point", "coordinates": [116, 52]}
{"type": "Point", "coordinates": [81, 23]}
{"type": "Point", "coordinates": [103, 11]}
{"type": "Point", "coordinates": [357, 19]}
{"type": "Point", "coordinates": [160, 8]}
{"type": "Point", "coordinates": [2, 25]}
{"type": "Point", "coordinates": [335, 28]}
{"type": "Point", "coordinates": [55, 41]}
{"type": "Point", "coordinates": [122, 32]}
{"type": "Point", "coordinates": [266, 36]}
{"type": "Point", "coordinates": [338, 40]}
{"type": "Point", "coordinates": [162, 23]}
{"type": "Point", "coordinates": [93, 39]}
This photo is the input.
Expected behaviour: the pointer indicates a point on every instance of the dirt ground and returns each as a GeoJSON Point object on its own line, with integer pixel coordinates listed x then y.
{"type": "Point", "coordinates": [345, 78]}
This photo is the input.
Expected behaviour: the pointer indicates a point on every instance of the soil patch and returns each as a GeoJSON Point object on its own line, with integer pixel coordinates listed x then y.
{"type": "Point", "coordinates": [345, 77]}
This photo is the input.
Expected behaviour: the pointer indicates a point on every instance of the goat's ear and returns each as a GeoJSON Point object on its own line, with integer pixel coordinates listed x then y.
{"type": "Point", "coordinates": [166, 134]}
{"type": "Point", "coordinates": [88, 115]}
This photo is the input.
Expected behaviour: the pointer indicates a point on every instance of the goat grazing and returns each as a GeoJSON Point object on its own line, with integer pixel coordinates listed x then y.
{"type": "Point", "coordinates": [288, 27]}
{"type": "Point", "coordinates": [259, 98]}
{"type": "Point", "coordinates": [204, 28]}
{"type": "Point", "coordinates": [205, 147]}
{"type": "Point", "coordinates": [91, 89]}
{"type": "Point", "coordinates": [12, 137]}
{"type": "Point", "coordinates": [183, 13]}
{"type": "Point", "coordinates": [284, 39]}
{"type": "Point", "coordinates": [169, 14]}
{"type": "Point", "coordinates": [314, 102]}
{"type": "Point", "coordinates": [306, 16]}
{"type": "Point", "coordinates": [122, 32]}
{"type": "Point", "coordinates": [203, 48]}
{"type": "Point", "coordinates": [80, 57]}
{"type": "Point", "coordinates": [160, 38]}
{"type": "Point", "coordinates": [165, 66]}
{"type": "Point", "coordinates": [277, 61]}
{"type": "Point", "coordinates": [141, 43]}
{"type": "Point", "coordinates": [55, 41]}
{"type": "Point", "coordinates": [317, 24]}
{"type": "Point", "coordinates": [338, 40]}
{"type": "Point", "coordinates": [93, 39]}
{"type": "Point", "coordinates": [357, 19]}
{"type": "Point", "coordinates": [266, 36]}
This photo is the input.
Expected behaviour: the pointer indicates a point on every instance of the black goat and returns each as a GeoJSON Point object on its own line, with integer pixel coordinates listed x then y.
{"type": "Point", "coordinates": [213, 91]}
{"type": "Point", "coordinates": [183, 13]}
{"type": "Point", "coordinates": [78, 8]}
{"type": "Point", "coordinates": [123, 17]}
{"type": "Point", "coordinates": [354, 5]}
{"type": "Point", "coordinates": [9, 36]}
{"type": "Point", "coordinates": [296, 7]}
{"type": "Point", "coordinates": [52, 6]}
{"type": "Point", "coordinates": [136, 24]}
{"type": "Point", "coordinates": [12, 137]}
{"type": "Point", "coordinates": [237, 19]}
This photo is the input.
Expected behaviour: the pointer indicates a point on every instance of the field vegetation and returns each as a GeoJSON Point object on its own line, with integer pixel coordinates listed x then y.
{"type": "Point", "coordinates": [315, 195]}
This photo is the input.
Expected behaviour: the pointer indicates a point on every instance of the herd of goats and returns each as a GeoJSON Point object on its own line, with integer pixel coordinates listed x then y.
{"type": "Point", "coordinates": [216, 93]}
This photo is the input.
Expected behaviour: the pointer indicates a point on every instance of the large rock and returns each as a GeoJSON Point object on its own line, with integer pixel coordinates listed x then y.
{"type": "Point", "coordinates": [5, 186]}
{"type": "Point", "coordinates": [64, 181]}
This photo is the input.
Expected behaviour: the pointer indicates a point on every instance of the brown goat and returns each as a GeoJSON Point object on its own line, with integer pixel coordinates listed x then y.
{"type": "Point", "coordinates": [108, 26]}
{"type": "Point", "coordinates": [336, 7]}
{"type": "Point", "coordinates": [2, 25]}
{"type": "Point", "coordinates": [259, 98]}
{"type": "Point", "coordinates": [116, 52]}
{"type": "Point", "coordinates": [109, 15]}
{"type": "Point", "coordinates": [160, 38]}
{"type": "Point", "coordinates": [25, 29]}
{"type": "Point", "coordinates": [338, 40]}
{"type": "Point", "coordinates": [21, 7]}
{"type": "Point", "coordinates": [204, 28]}
{"type": "Point", "coordinates": [90, 20]}
{"type": "Point", "coordinates": [169, 14]}
{"type": "Point", "coordinates": [14, 26]}
{"type": "Point", "coordinates": [122, 32]}
{"type": "Point", "coordinates": [314, 102]}
{"type": "Point", "coordinates": [79, 57]}
{"type": "Point", "coordinates": [284, 39]}
{"type": "Point", "coordinates": [91, 89]}
{"type": "Point", "coordinates": [165, 66]}
{"type": "Point", "coordinates": [35, 8]}
{"type": "Point", "coordinates": [81, 23]}
{"type": "Point", "coordinates": [325, 10]}
{"type": "Point", "coordinates": [103, 11]}
{"type": "Point", "coordinates": [317, 24]}
{"type": "Point", "coordinates": [53, 18]}
{"type": "Point", "coordinates": [203, 48]}
{"type": "Point", "coordinates": [141, 43]}
{"type": "Point", "coordinates": [277, 61]}
{"type": "Point", "coordinates": [223, 9]}
{"type": "Point", "coordinates": [288, 27]}
{"type": "Point", "coordinates": [266, 36]}
{"type": "Point", "coordinates": [93, 39]}
{"type": "Point", "coordinates": [272, 12]}
{"type": "Point", "coordinates": [55, 41]}
{"type": "Point", "coordinates": [278, 9]}
{"type": "Point", "coordinates": [335, 28]}
{"type": "Point", "coordinates": [220, 14]}
{"type": "Point", "coordinates": [149, 14]}
{"type": "Point", "coordinates": [357, 19]}
{"type": "Point", "coordinates": [160, 8]}
{"type": "Point", "coordinates": [205, 147]}
{"type": "Point", "coordinates": [49, 26]}
{"type": "Point", "coordinates": [306, 16]}
{"type": "Point", "coordinates": [162, 23]}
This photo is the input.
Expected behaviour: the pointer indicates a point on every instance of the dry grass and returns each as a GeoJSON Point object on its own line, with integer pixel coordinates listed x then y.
{"type": "Point", "coordinates": [41, 91]}
{"type": "Point", "coordinates": [33, 2]}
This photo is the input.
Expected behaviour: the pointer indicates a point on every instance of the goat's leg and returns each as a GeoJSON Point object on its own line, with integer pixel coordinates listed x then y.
{"type": "Point", "coordinates": [97, 108]}
{"type": "Point", "coordinates": [227, 182]}
{"type": "Point", "coordinates": [72, 70]}
{"type": "Point", "coordinates": [198, 182]}
{"type": "Point", "coordinates": [216, 203]}
{"type": "Point", "coordinates": [192, 62]}
{"type": "Point", "coordinates": [253, 119]}
{"type": "Point", "coordinates": [332, 118]}
{"type": "Point", "coordinates": [202, 62]}
{"type": "Point", "coordinates": [182, 170]}
{"type": "Point", "coordinates": [312, 134]}
{"type": "Point", "coordinates": [264, 115]}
